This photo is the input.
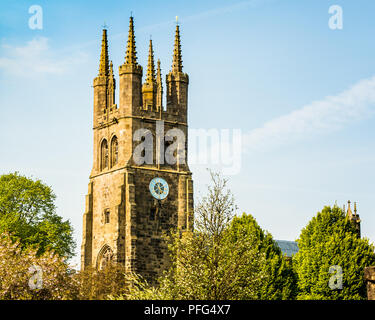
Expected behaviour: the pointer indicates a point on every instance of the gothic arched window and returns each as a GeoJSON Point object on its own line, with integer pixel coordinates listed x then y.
{"type": "Point", "coordinates": [106, 216]}
{"type": "Point", "coordinates": [114, 151]}
{"type": "Point", "coordinates": [104, 154]}
{"type": "Point", "coordinates": [105, 257]}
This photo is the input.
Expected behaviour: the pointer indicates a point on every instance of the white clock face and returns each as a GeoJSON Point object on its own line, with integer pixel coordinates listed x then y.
{"type": "Point", "coordinates": [159, 188]}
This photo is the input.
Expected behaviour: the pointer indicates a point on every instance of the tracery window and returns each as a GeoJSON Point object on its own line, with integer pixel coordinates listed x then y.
{"type": "Point", "coordinates": [105, 257]}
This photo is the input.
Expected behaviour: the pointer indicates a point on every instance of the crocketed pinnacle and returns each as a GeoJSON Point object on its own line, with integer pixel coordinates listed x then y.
{"type": "Point", "coordinates": [131, 53]}
{"type": "Point", "coordinates": [103, 66]}
{"type": "Point", "coordinates": [349, 212]}
{"type": "Point", "coordinates": [150, 77]}
{"type": "Point", "coordinates": [111, 69]}
{"type": "Point", "coordinates": [177, 57]}
{"type": "Point", "coordinates": [158, 72]}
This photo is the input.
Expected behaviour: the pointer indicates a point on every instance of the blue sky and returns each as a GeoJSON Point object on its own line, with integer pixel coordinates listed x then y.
{"type": "Point", "coordinates": [302, 94]}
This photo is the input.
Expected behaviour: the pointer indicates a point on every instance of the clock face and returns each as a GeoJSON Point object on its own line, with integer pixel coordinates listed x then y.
{"type": "Point", "coordinates": [159, 188]}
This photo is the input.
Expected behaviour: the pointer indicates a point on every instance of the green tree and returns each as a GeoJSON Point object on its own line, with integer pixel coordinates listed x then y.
{"type": "Point", "coordinates": [281, 282]}
{"type": "Point", "coordinates": [109, 283]}
{"type": "Point", "coordinates": [327, 246]}
{"type": "Point", "coordinates": [27, 212]}
{"type": "Point", "coordinates": [206, 263]}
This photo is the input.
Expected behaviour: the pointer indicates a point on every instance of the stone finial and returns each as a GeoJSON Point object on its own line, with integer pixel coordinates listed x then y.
{"type": "Point", "coordinates": [349, 212]}
{"type": "Point", "coordinates": [111, 68]}
{"type": "Point", "coordinates": [158, 72]}
{"type": "Point", "coordinates": [131, 53]}
{"type": "Point", "coordinates": [111, 87]}
{"type": "Point", "coordinates": [150, 77]}
{"type": "Point", "coordinates": [103, 66]}
{"type": "Point", "coordinates": [159, 86]}
{"type": "Point", "coordinates": [177, 56]}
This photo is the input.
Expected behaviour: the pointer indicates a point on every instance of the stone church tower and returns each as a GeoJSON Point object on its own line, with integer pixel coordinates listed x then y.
{"type": "Point", "coordinates": [354, 218]}
{"type": "Point", "coordinates": [140, 184]}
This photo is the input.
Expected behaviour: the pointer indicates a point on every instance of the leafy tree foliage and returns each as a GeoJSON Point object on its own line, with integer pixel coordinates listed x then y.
{"type": "Point", "coordinates": [328, 240]}
{"type": "Point", "coordinates": [110, 283]}
{"type": "Point", "coordinates": [55, 279]}
{"type": "Point", "coordinates": [206, 263]}
{"type": "Point", "coordinates": [281, 282]}
{"type": "Point", "coordinates": [18, 281]}
{"type": "Point", "coordinates": [27, 212]}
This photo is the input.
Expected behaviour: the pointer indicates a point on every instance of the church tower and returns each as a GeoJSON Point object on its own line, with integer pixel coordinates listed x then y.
{"type": "Point", "coordinates": [140, 184]}
{"type": "Point", "coordinates": [354, 218]}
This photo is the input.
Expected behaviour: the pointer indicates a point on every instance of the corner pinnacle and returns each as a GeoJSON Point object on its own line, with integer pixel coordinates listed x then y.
{"type": "Point", "coordinates": [177, 56]}
{"type": "Point", "coordinates": [158, 72]}
{"type": "Point", "coordinates": [131, 53]}
{"type": "Point", "coordinates": [150, 77]}
{"type": "Point", "coordinates": [104, 65]}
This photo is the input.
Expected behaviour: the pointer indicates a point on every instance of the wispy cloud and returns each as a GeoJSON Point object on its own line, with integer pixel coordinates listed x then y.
{"type": "Point", "coordinates": [319, 117]}
{"type": "Point", "coordinates": [35, 58]}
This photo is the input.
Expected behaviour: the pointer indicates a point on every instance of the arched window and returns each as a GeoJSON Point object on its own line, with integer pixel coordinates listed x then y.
{"type": "Point", "coordinates": [114, 151]}
{"type": "Point", "coordinates": [106, 216]}
{"type": "Point", "coordinates": [104, 155]}
{"type": "Point", "coordinates": [105, 257]}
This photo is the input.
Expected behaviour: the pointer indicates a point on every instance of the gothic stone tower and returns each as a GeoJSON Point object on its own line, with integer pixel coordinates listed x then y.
{"type": "Point", "coordinates": [125, 215]}
{"type": "Point", "coordinates": [354, 218]}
